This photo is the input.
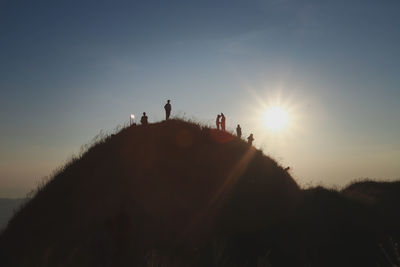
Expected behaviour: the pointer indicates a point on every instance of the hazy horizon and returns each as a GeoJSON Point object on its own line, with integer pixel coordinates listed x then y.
{"type": "Point", "coordinates": [72, 68]}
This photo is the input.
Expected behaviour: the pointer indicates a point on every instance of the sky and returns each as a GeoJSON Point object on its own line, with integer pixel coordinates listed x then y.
{"type": "Point", "coordinates": [72, 69]}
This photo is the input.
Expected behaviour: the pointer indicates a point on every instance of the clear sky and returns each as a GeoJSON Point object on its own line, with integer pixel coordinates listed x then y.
{"type": "Point", "coordinates": [69, 69]}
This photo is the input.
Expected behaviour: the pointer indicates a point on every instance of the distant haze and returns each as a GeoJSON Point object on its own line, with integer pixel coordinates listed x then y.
{"type": "Point", "coordinates": [72, 68]}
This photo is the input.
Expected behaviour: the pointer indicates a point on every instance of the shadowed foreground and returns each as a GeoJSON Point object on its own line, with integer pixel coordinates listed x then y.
{"type": "Point", "coordinates": [176, 194]}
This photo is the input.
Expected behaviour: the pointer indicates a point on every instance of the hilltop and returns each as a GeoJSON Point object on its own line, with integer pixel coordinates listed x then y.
{"type": "Point", "coordinates": [175, 193]}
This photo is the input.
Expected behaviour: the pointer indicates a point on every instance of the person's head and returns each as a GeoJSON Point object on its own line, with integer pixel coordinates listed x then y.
{"type": "Point", "coordinates": [222, 114]}
{"type": "Point", "coordinates": [144, 113]}
{"type": "Point", "coordinates": [219, 115]}
{"type": "Point", "coordinates": [168, 101]}
{"type": "Point", "coordinates": [238, 126]}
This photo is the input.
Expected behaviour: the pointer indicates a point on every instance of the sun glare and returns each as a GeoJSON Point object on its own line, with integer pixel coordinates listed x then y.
{"type": "Point", "coordinates": [275, 118]}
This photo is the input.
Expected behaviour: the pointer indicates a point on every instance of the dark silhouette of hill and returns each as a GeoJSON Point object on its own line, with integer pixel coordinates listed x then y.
{"type": "Point", "coordinates": [384, 198]}
{"type": "Point", "coordinates": [7, 207]}
{"type": "Point", "coordinates": [178, 194]}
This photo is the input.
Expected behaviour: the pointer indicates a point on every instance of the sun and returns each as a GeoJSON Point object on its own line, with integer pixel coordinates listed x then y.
{"type": "Point", "coordinates": [275, 118]}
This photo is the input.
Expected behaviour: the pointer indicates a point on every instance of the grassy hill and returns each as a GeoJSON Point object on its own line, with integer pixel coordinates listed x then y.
{"type": "Point", "coordinates": [178, 194]}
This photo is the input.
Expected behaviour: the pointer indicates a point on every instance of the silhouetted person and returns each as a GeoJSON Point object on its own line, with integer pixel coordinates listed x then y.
{"type": "Point", "coordinates": [143, 120]}
{"type": "Point", "coordinates": [239, 131]}
{"type": "Point", "coordinates": [218, 121]}
{"type": "Point", "coordinates": [167, 108]}
{"type": "Point", "coordinates": [250, 139]}
{"type": "Point", "coordinates": [222, 121]}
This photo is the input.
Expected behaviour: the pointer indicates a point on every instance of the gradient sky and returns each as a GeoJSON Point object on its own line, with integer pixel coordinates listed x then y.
{"type": "Point", "coordinates": [69, 69]}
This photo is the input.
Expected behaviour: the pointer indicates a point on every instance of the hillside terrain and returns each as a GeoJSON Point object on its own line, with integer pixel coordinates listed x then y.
{"type": "Point", "coordinates": [7, 208]}
{"type": "Point", "coordinates": [175, 193]}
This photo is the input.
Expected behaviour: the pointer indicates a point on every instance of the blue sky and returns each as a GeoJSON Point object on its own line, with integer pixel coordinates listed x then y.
{"type": "Point", "coordinates": [69, 69]}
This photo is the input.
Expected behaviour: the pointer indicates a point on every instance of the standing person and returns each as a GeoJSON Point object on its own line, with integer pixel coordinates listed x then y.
{"type": "Point", "coordinates": [222, 121]}
{"type": "Point", "coordinates": [167, 108]}
{"type": "Point", "coordinates": [218, 122]}
{"type": "Point", "coordinates": [239, 131]}
{"type": "Point", "coordinates": [143, 120]}
{"type": "Point", "coordinates": [250, 139]}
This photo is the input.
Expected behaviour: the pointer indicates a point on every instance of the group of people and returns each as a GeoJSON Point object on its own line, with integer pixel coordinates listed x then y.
{"type": "Point", "coordinates": [221, 122]}
{"type": "Point", "coordinates": [250, 139]}
{"type": "Point", "coordinates": [144, 120]}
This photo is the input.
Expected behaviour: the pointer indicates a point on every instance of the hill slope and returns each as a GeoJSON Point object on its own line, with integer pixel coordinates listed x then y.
{"type": "Point", "coordinates": [171, 186]}
{"type": "Point", "coordinates": [7, 207]}
{"type": "Point", "coordinates": [176, 194]}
